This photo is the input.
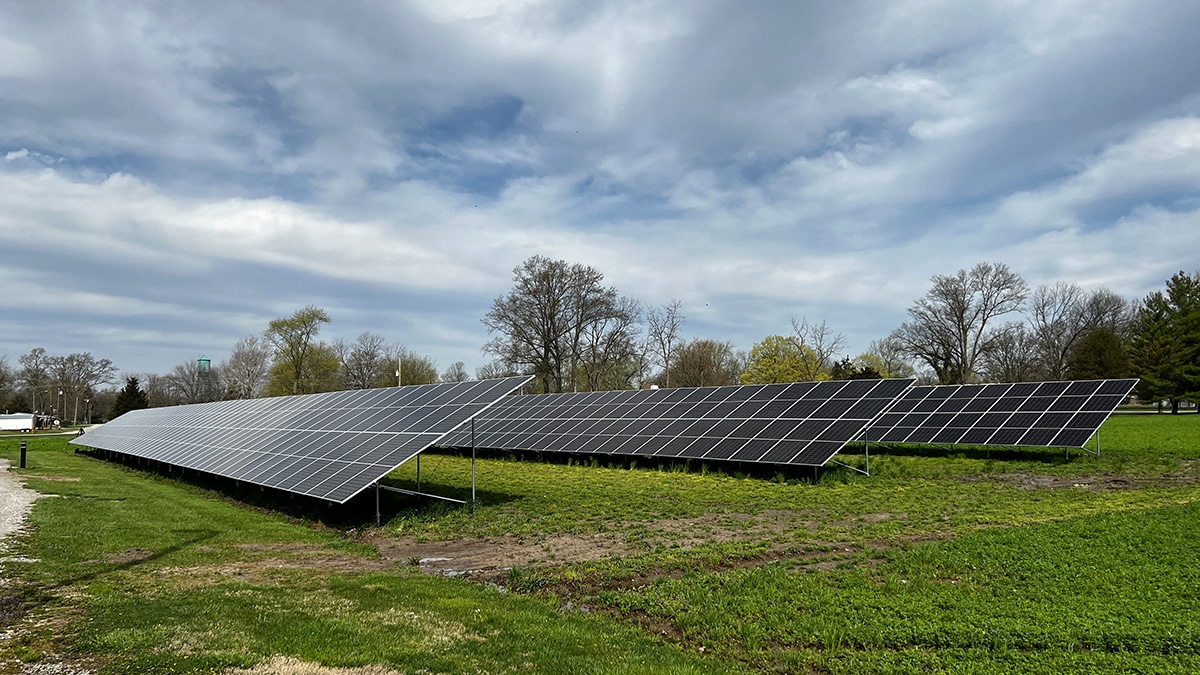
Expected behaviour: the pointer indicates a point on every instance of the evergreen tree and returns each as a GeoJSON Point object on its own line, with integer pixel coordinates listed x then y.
{"type": "Point", "coordinates": [1166, 342]}
{"type": "Point", "coordinates": [132, 397]}
{"type": "Point", "coordinates": [1100, 355]}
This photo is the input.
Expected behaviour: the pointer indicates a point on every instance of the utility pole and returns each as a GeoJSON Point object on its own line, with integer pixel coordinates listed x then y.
{"type": "Point", "coordinates": [399, 370]}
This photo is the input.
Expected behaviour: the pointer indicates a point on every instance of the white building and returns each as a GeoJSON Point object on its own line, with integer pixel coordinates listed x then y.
{"type": "Point", "coordinates": [17, 422]}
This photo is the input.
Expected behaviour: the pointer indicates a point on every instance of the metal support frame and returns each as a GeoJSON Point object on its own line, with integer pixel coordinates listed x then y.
{"type": "Point", "coordinates": [867, 451]}
{"type": "Point", "coordinates": [1097, 452]}
{"type": "Point", "coordinates": [419, 493]}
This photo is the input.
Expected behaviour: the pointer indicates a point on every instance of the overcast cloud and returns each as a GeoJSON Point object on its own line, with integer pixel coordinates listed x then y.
{"type": "Point", "coordinates": [175, 175]}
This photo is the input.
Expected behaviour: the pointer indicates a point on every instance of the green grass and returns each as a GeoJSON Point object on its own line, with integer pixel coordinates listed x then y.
{"type": "Point", "coordinates": [414, 623]}
{"type": "Point", "coordinates": [953, 560]}
{"type": "Point", "coordinates": [132, 571]}
{"type": "Point", "coordinates": [1119, 584]}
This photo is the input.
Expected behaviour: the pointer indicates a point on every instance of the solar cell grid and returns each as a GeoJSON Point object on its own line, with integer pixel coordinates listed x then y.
{"type": "Point", "coordinates": [284, 442]}
{"type": "Point", "coordinates": [977, 436]}
{"type": "Point", "coordinates": [1027, 413]}
{"type": "Point", "coordinates": [739, 422]}
{"type": "Point", "coordinates": [1068, 403]}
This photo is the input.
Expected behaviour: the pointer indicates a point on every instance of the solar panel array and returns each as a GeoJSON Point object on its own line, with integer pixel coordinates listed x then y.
{"type": "Point", "coordinates": [794, 423]}
{"type": "Point", "coordinates": [331, 446]}
{"type": "Point", "coordinates": [1050, 414]}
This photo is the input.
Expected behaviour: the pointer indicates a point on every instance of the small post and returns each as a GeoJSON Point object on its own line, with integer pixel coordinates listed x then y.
{"type": "Point", "coordinates": [418, 472]}
{"type": "Point", "coordinates": [1097, 442]}
{"type": "Point", "coordinates": [378, 519]}
{"type": "Point", "coordinates": [24, 447]}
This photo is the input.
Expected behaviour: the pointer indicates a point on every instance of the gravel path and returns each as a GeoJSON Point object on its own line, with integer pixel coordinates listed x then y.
{"type": "Point", "coordinates": [15, 502]}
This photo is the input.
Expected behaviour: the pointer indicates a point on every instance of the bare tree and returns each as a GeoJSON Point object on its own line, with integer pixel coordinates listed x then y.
{"type": "Point", "coordinates": [35, 377]}
{"type": "Point", "coordinates": [1062, 315]}
{"type": "Point", "coordinates": [1013, 356]}
{"type": "Point", "coordinates": [494, 370]}
{"type": "Point", "coordinates": [952, 326]}
{"type": "Point", "coordinates": [365, 363]}
{"type": "Point", "coordinates": [457, 372]}
{"type": "Point", "coordinates": [887, 355]}
{"type": "Point", "coordinates": [8, 378]}
{"type": "Point", "coordinates": [155, 387]}
{"type": "Point", "coordinates": [704, 363]}
{"type": "Point", "coordinates": [1105, 310]}
{"type": "Point", "coordinates": [76, 375]}
{"type": "Point", "coordinates": [413, 368]}
{"type": "Point", "coordinates": [190, 382]}
{"type": "Point", "coordinates": [246, 370]}
{"type": "Point", "coordinates": [663, 324]}
{"type": "Point", "coordinates": [610, 355]}
{"type": "Point", "coordinates": [821, 342]}
{"type": "Point", "coordinates": [542, 321]}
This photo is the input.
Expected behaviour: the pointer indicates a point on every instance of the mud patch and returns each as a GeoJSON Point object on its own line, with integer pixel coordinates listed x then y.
{"type": "Point", "coordinates": [490, 559]}
{"type": "Point", "coordinates": [286, 665]}
{"type": "Point", "coordinates": [279, 557]}
{"type": "Point", "coordinates": [498, 554]}
{"type": "Point", "coordinates": [469, 556]}
{"type": "Point", "coordinates": [12, 609]}
{"type": "Point", "coordinates": [129, 555]}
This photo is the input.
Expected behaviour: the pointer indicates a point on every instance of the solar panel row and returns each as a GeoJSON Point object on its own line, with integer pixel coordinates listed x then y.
{"type": "Point", "coordinates": [335, 445]}
{"type": "Point", "coordinates": [331, 446]}
{"type": "Point", "coordinates": [792, 423]}
{"type": "Point", "coordinates": [1050, 414]}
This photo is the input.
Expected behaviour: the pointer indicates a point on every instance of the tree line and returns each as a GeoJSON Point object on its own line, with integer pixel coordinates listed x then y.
{"type": "Point", "coordinates": [564, 326]}
{"type": "Point", "coordinates": [561, 324]}
{"type": "Point", "coordinates": [288, 357]}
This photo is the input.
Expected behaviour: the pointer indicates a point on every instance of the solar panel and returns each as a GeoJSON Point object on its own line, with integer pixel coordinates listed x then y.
{"type": "Point", "coordinates": [1048, 414]}
{"type": "Point", "coordinates": [793, 423]}
{"type": "Point", "coordinates": [331, 446]}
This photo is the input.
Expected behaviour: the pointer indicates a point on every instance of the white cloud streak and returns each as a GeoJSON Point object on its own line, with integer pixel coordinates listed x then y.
{"type": "Point", "coordinates": [758, 162]}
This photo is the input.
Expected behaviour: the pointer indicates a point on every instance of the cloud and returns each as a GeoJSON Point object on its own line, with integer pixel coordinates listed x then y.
{"type": "Point", "coordinates": [175, 176]}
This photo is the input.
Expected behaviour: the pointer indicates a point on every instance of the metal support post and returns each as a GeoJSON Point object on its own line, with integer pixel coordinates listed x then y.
{"type": "Point", "coordinates": [418, 472]}
{"type": "Point", "coordinates": [855, 468]}
{"type": "Point", "coordinates": [378, 518]}
{"type": "Point", "coordinates": [472, 463]}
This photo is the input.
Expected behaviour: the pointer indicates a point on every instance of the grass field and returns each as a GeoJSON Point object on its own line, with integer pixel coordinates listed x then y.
{"type": "Point", "coordinates": [969, 561]}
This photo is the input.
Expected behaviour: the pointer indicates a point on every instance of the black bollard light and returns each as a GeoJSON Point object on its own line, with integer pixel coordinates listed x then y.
{"type": "Point", "coordinates": [24, 448]}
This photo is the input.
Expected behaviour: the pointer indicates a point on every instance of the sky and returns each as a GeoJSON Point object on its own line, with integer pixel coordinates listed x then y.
{"type": "Point", "coordinates": [175, 175]}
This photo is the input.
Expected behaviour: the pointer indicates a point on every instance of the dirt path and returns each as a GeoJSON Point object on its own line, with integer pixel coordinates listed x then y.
{"type": "Point", "coordinates": [15, 502]}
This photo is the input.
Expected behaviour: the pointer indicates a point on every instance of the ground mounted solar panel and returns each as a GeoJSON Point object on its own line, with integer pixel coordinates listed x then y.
{"type": "Point", "coordinates": [330, 446]}
{"type": "Point", "coordinates": [801, 423]}
{"type": "Point", "coordinates": [1043, 414]}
